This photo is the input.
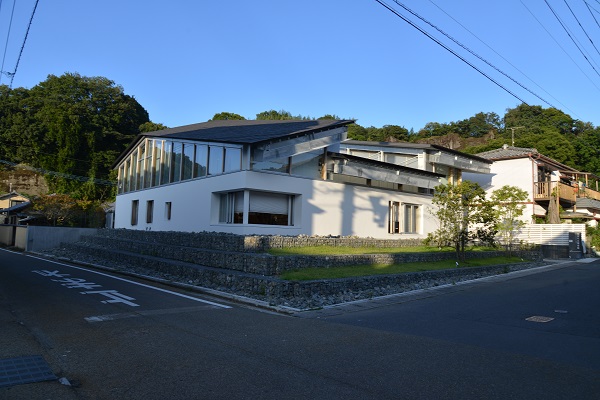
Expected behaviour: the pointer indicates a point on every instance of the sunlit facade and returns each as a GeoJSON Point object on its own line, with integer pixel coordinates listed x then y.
{"type": "Point", "coordinates": [268, 177]}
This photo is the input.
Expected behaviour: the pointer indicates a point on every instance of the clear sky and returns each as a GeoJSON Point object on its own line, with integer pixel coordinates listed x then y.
{"type": "Point", "coordinates": [186, 60]}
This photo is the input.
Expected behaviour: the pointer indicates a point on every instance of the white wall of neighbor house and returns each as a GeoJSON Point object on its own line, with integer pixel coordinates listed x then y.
{"type": "Point", "coordinates": [519, 172]}
{"type": "Point", "coordinates": [316, 207]}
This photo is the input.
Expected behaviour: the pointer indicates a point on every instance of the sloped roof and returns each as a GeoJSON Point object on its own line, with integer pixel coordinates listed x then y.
{"type": "Point", "coordinates": [588, 203]}
{"type": "Point", "coordinates": [507, 152]}
{"type": "Point", "coordinates": [510, 152]}
{"type": "Point", "coordinates": [11, 195]}
{"type": "Point", "coordinates": [245, 132]}
{"type": "Point", "coordinates": [241, 131]}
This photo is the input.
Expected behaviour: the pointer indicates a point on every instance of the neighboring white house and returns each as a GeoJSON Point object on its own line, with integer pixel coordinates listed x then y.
{"type": "Point", "coordinates": [270, 177]}
{"type": "Point", "coordinates": [544, 179]}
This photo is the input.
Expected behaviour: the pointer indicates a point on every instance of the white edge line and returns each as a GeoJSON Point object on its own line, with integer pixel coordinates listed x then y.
{"type": "Point", "coordinates": [130, 281]}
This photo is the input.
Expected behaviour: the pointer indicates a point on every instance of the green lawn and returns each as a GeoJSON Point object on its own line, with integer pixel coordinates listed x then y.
{"type": "Point", "coordinates": [337, 250]}
{"type": "Point", "coordinates": [364, 270]}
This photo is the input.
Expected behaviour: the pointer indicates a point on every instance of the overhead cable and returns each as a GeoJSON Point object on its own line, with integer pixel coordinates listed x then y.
{"type": "Point", "coordinates": [559, 45]}
{"type": "Point", "coordinates": [571, 37]}
{"type": "Point", "coordinates": [23, 45]}
{"type": "Point", "coordinates": [12, 13]}
{"type": "Point", "coordinates": [581, 26]}
{"type": "Point", "coordinates": [103, 182]}
{"type": "Point", "coordinates": [397, 13]}
{"type": "Point", "coordinates": [499, 55]}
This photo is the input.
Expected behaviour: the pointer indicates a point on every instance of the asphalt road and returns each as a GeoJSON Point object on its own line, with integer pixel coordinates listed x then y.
{"type": "Point", "coordinates": [116, 338]}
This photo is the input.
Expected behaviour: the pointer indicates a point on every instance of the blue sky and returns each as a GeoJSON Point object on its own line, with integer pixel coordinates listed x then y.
{"type": "Point", "coordinates": [184, 61]}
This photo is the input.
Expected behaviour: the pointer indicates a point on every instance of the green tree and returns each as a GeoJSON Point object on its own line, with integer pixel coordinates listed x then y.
{"type": "Point", "coordinates": [508, 205]}
{"type": "Point", "coordinates": [275, 115]}
{"type": "Point", "coordinates": [463, 214]}
{"type": "Point", "coordinates": [70, 124]}
{"type": "Point", "coordinates": [227, 116]}
{"type": "Point", "coordinates": [151, 127]}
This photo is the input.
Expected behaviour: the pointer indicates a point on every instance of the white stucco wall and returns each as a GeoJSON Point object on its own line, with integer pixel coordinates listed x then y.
{"type": "Point", "coordinates": [322, 207]}
{"type": "Point", "coordinates": [520, 172]}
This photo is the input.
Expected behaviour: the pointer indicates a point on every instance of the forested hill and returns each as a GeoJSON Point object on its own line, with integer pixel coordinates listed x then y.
{"type": "Point", "coordinates": [76, 126]}
{"type": "Point", "coordinates": [551, 131]}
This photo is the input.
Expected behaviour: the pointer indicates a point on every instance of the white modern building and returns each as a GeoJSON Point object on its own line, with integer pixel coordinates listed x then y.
{"type": "Point", "coordinates": [273, 177]}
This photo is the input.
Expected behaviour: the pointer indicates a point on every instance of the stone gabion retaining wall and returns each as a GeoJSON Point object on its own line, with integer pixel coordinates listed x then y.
{"type": "Point", "coordinates": [266, 264]}
{"type": "Point", "coordinates": [239, 243]}
{"type": "Point", "coordinates": [299, 294]}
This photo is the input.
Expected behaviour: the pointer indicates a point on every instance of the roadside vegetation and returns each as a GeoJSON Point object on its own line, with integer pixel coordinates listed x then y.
{"type": "Point", "coordinates": [379, 269]}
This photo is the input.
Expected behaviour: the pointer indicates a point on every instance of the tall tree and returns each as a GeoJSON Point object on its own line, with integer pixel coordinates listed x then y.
{"type": "Point", "coordinates": [73, 125]}
{"type": "Point", "coordinates": [463, 214]}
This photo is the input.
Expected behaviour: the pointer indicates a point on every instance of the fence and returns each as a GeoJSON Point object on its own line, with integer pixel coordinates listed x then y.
{"type": "Point", "coordinates": [550, 234]}
{"type": "Point", "coordinates": [35, 238]}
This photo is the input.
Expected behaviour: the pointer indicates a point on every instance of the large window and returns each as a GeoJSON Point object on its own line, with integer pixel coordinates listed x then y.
{"type": "Point", "coordinates": [411, 218]}
{"type": "Point", "coordinates": [215, 160]}
{"type": "Point", "coordinates": [201, 160]}
{"type": "Point", "coordinates": [394, 222]}
{"type": "Point", "coordinates": [158, 148]}
{"type": "Point", "coordinates": [159, 162]}
{"type": "Point", "coordinates": [233, 159]}
{"type": "Point", "coordinates": [176, 162]}
{"type": "Point", "coordinates": [232, 208]}
{"type": "Point", "coordinates": [270, 209]}
{"type": "Point", "coordinates": [166, 163]}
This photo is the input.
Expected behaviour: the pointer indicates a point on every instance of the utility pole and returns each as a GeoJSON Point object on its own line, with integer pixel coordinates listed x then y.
{"type": "Point", "coordinates": [513, 134]}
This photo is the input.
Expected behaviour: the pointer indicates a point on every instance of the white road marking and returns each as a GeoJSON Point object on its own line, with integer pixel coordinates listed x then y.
{"type": "Point", "coordinates": [133, 282]}
{"type": "Point", "coordinates": [112, 317]}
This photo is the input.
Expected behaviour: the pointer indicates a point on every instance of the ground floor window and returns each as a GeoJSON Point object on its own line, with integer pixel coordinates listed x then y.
{"type": "Point", "coordinates": [168, 210]}
{"type": "Point", "coordinates": [403, 217]}
{"type": "Point", "coordinates": [149, 211]}
{"type": "Point", "coordinates": [270, 208]}
{"type": "Point", "coordinates": [411, 218]}
{"type": "Point", "coordinates": [135, 206]}
{"type": "Point", "coordinates": [232, 208]}
{"type": "Point", "coordinates": [394, 222]}
{"type": "Point", "coordinates": [263, 208]}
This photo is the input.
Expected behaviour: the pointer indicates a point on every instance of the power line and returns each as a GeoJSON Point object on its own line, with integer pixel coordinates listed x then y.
{"type": "Point", "coordinates": [571, 37]}
{"type": "Point", "coordinates": [24, 40]}
{"type": "Point", "coordinates": [500, 55]}
{"type": "Point", "coordinates": [12, 13]}
{"type": "Point", "coordinates": [559, 45]}
{"type": "Point", "coordinates": [398, 14]}
{"type": "Point", "coordinates": [590, 8]}
{"type": "Point", "coordinates": [103, 182]}
{"type": "Point", "coordinates": [581, 26]}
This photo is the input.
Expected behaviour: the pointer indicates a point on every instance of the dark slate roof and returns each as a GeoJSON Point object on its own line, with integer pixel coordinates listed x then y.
{"type": "Point", "coordinates": [588, 203]}
{"type": "Point", "coordinates": [420, 146]}
{"type": "Point", "coordinates": [16, 207]}
{"type": "Point", "coordinates": [245, 132]}
{"type": "Point", "coordinates": [240, 131]}
{"type": "Point", "coordinates": [507, 152]}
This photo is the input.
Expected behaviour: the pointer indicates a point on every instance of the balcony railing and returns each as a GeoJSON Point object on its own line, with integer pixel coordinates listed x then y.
{"type": "Point", "coordinates": [545, 190]}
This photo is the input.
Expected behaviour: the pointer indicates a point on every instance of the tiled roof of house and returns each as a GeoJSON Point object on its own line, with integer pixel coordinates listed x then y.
{"type": "Point", "coordinates": [588, 203]}
{"type": "Point", "coordinates": [507, 152]}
